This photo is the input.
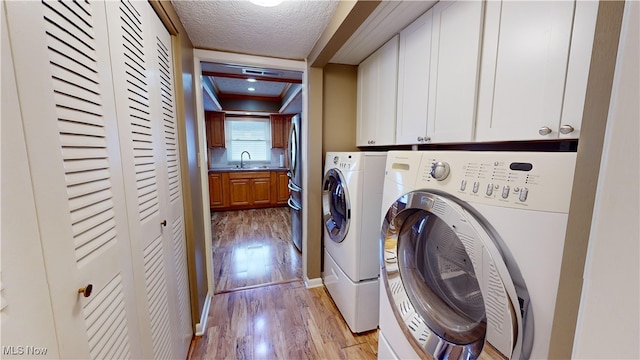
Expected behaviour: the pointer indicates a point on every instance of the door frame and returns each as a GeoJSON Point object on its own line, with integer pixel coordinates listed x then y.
{"type": "Point", "coordinates": [201, 55]}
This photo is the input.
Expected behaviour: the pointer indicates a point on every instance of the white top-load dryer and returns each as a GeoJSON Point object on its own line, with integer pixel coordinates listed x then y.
{"type": "Point", "coordinates": [351, 200]}
{"type": "Point", "coordinates": [472, 248]}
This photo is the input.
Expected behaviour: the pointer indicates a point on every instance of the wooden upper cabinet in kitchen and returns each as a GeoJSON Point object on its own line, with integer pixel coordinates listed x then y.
{"type": "Point", "coordinates": [438, 74]}
{"type": "Point", "coordinates": [280, 130]}
{"type": "Point", "coordinates": [215, 129]}
{"type": "Point", "coordinates": [376, 99]}
{"type": "Point", "coordinates": [535, 66]}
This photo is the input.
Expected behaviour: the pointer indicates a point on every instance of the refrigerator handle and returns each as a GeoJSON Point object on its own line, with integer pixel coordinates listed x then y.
{"type": "Point", "coordinates": [293, 205]}
{"type": "Point", "coordinates": [294, 187]}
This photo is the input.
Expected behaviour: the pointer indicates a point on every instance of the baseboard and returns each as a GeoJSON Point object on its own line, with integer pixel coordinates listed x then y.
{"type": "Point", "coordinates": [312, 283]}
{"type": "Point", "coordinates": [201, 327]}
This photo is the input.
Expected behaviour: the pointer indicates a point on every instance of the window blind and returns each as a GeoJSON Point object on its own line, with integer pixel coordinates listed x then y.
{"type": "Point", "coordinates": [248, 134]}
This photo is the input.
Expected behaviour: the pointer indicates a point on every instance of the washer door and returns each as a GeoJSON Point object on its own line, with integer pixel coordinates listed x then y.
{"type": "Point", "coordinates": [448, 286]}
{"type": "Point", "coordinates": [336, 205]}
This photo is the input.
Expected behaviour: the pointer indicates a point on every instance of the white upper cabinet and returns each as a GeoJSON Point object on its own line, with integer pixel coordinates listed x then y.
{"type": "Point", "coordinates": [455, 60]}
{"type": "Point", "coordinates": [376, 101]}
{"type": "Point", "coordinates": [413, 81]}
{"type": "Point", "coordinates": [532, 52]}
{"type": "Point", "coordinates": [438, 74]}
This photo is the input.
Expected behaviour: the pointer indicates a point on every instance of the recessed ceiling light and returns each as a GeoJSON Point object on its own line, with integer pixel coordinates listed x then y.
{"type": "Point", "coordinates": [251, 89]}
{"type": "Point", "coordinates": [266, 3]}
{"type": "Point", "coordinates": [251, 80]}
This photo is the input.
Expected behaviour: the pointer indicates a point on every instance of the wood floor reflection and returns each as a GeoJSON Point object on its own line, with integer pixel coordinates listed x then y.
{"type": "Point", "coordinates": [253, 248]}
{"type": "Point", "coordinates": [284, 321]}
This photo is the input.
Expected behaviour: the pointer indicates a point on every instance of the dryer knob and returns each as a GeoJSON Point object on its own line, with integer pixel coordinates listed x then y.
{"type": "Point", "coordinates": [439, 170]}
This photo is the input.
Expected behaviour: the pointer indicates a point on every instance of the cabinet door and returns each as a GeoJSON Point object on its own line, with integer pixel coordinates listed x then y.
{"type": "Point", "coordinates": [282, 194]}
{"type": "Point", "coordinates": [215, 129]}
{"type": "Point", "coordinates": [216, 190]}
{"type": "Point", "coordinates": [240, 192]}
{"type": "Point", "coordinates": [455, 59]}
{"type": "Point", "coordinates": [261, 190]}
{"type": "Point", "coordinates": [366, 102]}
{"type": "Point", "coordinates": [376, 101]}
{"type": "Point", "coordinates": [584, 26]}
{"type": "Point", "coordinates": [387, 87]}
{"type": "Point", "coordinates": [62, 70]}
{"type": "Point", "coordinates": [413, 81]}
{"type": "Point", "coordinates": [524, 61]}
{"type": "Point", "coordinates": [278, 137]}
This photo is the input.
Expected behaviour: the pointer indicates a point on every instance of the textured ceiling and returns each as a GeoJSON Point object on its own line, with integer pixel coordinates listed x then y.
{"type": "Point", "coordinates": [289, 30]}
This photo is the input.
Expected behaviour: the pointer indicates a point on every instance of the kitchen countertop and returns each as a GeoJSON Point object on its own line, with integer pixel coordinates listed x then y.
{"type": "Point", "coordinates": [250, 168]}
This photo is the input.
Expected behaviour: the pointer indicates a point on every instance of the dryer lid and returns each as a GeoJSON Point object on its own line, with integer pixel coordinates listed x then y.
{"type": "Point", "coordinates": [448, 285]}
{"type": "Point", "coordinates": [336, 205]}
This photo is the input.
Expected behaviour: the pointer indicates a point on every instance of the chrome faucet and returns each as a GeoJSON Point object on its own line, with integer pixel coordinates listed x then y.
{"type": "Point", "coordinates": [242, 159]}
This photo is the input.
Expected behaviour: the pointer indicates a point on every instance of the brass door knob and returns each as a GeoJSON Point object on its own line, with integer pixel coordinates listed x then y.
{"type": "Point", "coordinates": [86, 291]}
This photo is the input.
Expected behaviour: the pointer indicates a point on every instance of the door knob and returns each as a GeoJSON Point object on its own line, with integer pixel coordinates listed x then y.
{"type": "Point", "coordinates": [86, 291]}
{"type": "Point", "coordinates": [566, 129]}
{"type": "Point", "coordinates": [545, 130]}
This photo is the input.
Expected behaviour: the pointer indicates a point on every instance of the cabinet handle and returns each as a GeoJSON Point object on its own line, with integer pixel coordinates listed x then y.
{"type": "Point", "coordinates": [545, 130]}
{"type": "Point", "coordinates": [420, 139]}
{"type": "Point", "coordinates": [86, 291]}
{"type": "Point", "coordinates": [164, 223]}
{"type": "Point", "coordinates": [566, 129]}
{"type": "Point", "coordinates": [427, 139]}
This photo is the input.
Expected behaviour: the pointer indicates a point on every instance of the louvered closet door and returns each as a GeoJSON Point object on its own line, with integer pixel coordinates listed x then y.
{"type": "Point", "coordinates": [144, 102]}
{"type": "Point", "coordinates": [172, 184]}
{"type": "Point", "coordinates": [66, 98]}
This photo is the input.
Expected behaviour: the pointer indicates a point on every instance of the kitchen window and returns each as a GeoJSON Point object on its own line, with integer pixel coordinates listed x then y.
{"type": "Point", "coordinates": [248, 134]}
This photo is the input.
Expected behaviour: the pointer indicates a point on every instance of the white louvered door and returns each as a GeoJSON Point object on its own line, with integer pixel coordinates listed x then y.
{"type": "Point", "coordinates": [140, 156]}
{"type": "Point", "coordinates": [66, 98]}
{"type": "Point", "coordinates": [143, 76]}
{"type": "Point", "coordinates": [177, 253]}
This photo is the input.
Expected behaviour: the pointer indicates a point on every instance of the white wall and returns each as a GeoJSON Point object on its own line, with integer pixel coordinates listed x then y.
{"type": "Point", "coordinates": [609, 317]}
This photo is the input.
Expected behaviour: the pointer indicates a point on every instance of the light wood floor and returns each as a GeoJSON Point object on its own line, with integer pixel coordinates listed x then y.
{"type": "Point", "coordinates": [253, 248]}
{"type": "Point", "coordinates": [261, 308]}
{"type": "Point", "coordinates": [284, 321]}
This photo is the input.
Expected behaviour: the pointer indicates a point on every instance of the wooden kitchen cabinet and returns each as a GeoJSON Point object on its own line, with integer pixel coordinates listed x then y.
{"type": "Point", "coordinates": [280, 130]}
{"type": "Point", "coordinates": [438, 74]}
{"type": "Point", "coordinates": [247, 189]}
{"type": "Point", "coordinates": [282, 193]}
{"type": "Point", "coordinates": [214, 122]}
{"type": "Point", "coordinates": [217, 190]}
{"type": "Point", "coordinates": [535, 65]}
{"type": "Point", "coordinates": [376, 97]}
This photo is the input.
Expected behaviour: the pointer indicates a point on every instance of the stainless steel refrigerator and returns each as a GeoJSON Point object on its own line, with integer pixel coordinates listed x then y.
{"type": "Point", "coordinates": [295, 180]}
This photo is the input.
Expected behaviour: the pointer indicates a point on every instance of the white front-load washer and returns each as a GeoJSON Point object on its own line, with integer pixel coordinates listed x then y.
{"type": "Point", "coordinates": [351, 200]}
{"type": "Point", "coordinates": [472, 247]}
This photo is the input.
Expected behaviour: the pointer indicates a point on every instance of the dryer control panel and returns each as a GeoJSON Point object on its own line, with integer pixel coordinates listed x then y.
{"type": "Point", "coordinates": [527, 180]}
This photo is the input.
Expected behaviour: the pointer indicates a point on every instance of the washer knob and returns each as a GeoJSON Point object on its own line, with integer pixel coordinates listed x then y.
{"type": "Point", "coordinates": [439, 170]}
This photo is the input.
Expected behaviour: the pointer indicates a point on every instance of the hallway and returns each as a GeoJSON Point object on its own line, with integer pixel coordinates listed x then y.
{"type": "Point", "coordinates": [253, 248]}
{"type": "Point", "coordinates": [261, 308]}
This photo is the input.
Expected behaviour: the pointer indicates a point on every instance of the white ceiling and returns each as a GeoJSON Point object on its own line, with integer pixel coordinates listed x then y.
{"type": "Point", "coordinates": [289, 30]}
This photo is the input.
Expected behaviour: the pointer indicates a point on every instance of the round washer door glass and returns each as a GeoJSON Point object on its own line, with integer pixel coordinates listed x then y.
{"type": "Point", "coordinates": [439, 278]}
{"type": "Point", "coordinates": [335, 205]}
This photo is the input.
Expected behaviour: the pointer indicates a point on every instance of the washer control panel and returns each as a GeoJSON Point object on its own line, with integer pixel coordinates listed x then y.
{"type": "Point", "coordinates": [534, 181]}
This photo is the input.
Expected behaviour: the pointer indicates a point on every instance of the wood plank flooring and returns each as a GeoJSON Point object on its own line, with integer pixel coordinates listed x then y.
{"type": "Point", "coordinates": [253, 248]}
{"type": "Point", "coordinates": [261, 308]}
{"type": "Point", "coordinates": [284, 321]}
